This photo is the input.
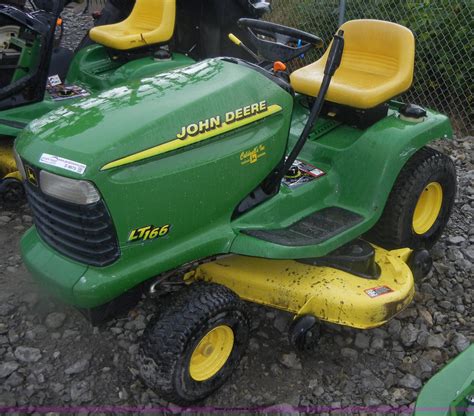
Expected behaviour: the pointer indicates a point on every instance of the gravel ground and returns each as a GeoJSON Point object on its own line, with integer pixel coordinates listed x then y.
{"type": "Point", "coordinates": [76, 23]}
{"type": "Point", "coordinates": [50, 356]}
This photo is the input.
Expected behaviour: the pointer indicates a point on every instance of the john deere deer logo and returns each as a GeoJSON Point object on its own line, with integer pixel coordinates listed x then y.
{"type": "Point", "coordinates": [31, 176]}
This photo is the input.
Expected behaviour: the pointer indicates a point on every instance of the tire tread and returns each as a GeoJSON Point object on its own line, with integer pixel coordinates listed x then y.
{"type": "Point", "coordinates": [166, 337]}
{"type": "Point", "coordinates": [389, 232]}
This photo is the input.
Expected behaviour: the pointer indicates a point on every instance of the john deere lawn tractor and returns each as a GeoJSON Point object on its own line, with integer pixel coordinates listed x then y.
{"type": "Point", "coordinates": [37, 76]}
{"type": "Point", "coordinates": [451, 391]}
{"type": "Point", "coordinates": [311, 192]}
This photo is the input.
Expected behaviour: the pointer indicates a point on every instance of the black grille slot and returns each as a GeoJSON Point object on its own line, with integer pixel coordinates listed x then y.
{"type": "Point", "coordinates": [84, 233]}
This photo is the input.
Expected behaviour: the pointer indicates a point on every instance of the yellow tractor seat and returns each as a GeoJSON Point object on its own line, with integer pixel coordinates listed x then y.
{"type": "Point", "coordinates": [377, 64]}
{"type": "Point", "coordinates": [151, 22]}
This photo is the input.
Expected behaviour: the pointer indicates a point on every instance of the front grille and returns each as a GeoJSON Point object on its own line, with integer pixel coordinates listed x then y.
{"type": "Point", "coordinates": [84, 233]}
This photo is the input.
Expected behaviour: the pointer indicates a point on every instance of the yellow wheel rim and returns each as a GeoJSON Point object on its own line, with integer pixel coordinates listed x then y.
{"type": "Point", "coordinates": [211, 353]}
{"type": "Point", "coordinates": [428, 208]}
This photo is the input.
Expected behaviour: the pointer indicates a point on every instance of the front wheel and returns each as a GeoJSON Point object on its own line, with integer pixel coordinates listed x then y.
{"type": "Point", "coordinates": [11, 191]}
{"type": "Point", "coordinates": [420, 203]}
{"type": "Point", "coordinates": [195, 344]}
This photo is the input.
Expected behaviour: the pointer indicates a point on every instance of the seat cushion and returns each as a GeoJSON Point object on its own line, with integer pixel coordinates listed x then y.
{"type": "Point", "coordinates": [117, 37]}
{"type": "Point", "coordinates": [369, 74]}
{"type": "Point", "coordinates": [151, 22]}
{"type": "Point", "coordinates": [350, 86]}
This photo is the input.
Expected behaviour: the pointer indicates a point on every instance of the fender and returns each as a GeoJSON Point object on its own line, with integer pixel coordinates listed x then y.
{"type": "Point", "coordinates": [374, 158]}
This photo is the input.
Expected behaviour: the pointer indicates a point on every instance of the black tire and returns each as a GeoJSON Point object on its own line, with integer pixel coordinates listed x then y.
{"type": "Point", "coordinates": [395, 228]}
{"type": "Point", "coordinates": [170, 340]}
{"type": "Point", "coordinates": [12, 193]}
{"type": "Point", "coordinates": [304, 333]}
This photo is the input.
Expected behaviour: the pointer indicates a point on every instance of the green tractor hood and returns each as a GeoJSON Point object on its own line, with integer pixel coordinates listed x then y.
{"type": "Point", "coordinates": [144, 114]}
{"type": "Point", "coordinates": [175, 153]}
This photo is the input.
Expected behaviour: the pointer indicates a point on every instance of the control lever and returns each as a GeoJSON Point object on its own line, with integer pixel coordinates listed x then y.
{"type": "Point", "coordinates": [238, 42]}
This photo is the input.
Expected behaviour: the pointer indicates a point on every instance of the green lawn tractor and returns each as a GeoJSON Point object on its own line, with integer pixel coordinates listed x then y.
{"type": "Point", "coordinates": [451, 391]}
{"type": "Point", "coordinates": [229, 181]}
{"type": "Point", "coordinates": [37, 76]}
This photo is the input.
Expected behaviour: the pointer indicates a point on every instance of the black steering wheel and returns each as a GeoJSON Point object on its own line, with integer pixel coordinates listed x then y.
{"type": "Point", "coordinates": [275, 42]}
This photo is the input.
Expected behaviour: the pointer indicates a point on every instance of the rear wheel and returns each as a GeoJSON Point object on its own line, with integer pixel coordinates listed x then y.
{"type": "Point", "coordinates": [420, 203]}
{"type": "Point", "coordinates": [195, 344]}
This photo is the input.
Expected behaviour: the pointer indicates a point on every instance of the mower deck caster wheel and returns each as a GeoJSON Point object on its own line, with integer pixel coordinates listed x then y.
{"type": "Point", "coordinates": [305, 332]}
{"type": "Point", "coordinates": [195, 344]}
{"type": "Point", "coordinates": [420, 263]}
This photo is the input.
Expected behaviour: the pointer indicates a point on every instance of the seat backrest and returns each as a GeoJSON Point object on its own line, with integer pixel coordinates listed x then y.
{"type": "Point", "coordinates": [380, 48]}
{"type": "Point", "coordinates": [150, 15]}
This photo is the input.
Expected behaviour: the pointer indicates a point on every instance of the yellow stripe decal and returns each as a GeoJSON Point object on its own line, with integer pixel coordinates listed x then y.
{"type": "Point", "coordinates": [178, 143]}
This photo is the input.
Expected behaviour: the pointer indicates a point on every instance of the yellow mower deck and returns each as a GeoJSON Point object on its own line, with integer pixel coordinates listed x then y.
{"type": "Point", "coordinates": [8, 167]}
{"type": "Point", "coordinates": [329, 294]}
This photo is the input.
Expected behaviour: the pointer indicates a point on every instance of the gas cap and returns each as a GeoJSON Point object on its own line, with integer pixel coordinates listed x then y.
{"type": "Point", "coordinates": [412, 113]}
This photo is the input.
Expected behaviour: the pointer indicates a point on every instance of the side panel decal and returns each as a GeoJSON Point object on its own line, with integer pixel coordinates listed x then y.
{"type": "Point", "coordinates": [203, 130]}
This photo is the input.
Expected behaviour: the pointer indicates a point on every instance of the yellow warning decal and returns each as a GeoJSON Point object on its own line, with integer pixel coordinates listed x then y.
{"type": "Point", "coordinates": [203, 130]}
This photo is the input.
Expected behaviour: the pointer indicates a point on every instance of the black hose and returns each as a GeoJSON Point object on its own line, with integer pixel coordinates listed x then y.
{"type": "Point", "coordinates": [333, 62]}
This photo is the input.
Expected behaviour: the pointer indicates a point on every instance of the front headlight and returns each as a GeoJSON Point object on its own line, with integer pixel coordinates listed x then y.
{"type": "Point", "coordinates": [19, 164]}
{"type": "Point", "coordinates": [70, 190]}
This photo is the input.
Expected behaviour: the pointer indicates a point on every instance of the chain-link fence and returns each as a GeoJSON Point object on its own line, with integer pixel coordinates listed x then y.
{"type": "Point", "coordinates": [444, 30]}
